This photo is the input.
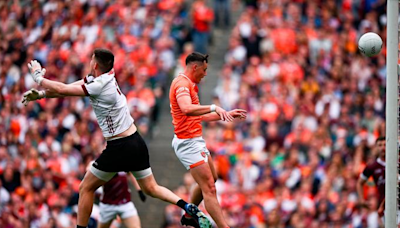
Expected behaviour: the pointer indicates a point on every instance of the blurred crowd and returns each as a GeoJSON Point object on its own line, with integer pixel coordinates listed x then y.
{"type": "Point", "coordinates": [316, 107]}
{"type": "Point", "coordinates": [45, 147]}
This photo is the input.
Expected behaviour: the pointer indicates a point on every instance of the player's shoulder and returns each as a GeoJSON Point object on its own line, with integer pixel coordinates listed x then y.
{"type": "Point", "coordinates": [180, 81]}
{"type": "Point", "coordinates": [374, 165]}
{"type": "Point", "coordinates": [96, 80]}
{"type": "Point", "coordinates": [99, 79]}
{"type": "Point", "coordinates": [179, 78]}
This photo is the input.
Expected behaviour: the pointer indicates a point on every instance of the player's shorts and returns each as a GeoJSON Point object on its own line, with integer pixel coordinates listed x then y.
{"type": "Point", "coordinates": [191, 152]}
{"type": "Point", "coordinates": [128, 154]}
{"type": "Point", "coordinates": [109, 212]}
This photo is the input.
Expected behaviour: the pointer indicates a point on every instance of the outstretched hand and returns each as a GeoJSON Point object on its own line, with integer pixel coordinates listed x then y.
{"type": "Point", "coordinates": [36, 71]}
{"type": "Point", "coordinates": [238, 114]}
{"type": "Point", "coordinates": [224, 115]}
{"type": "Point", "coordinates": [32, 95]}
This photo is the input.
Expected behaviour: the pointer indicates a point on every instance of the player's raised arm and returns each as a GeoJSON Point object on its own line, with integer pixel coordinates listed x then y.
{"type": "Point", "coordinates": [55, 89]}
{"type": "Point", "coordinates": [360, 191]}
{"type": "Point", "coordinates": [59, 88]}
{"type": "Point", "coordinates": [33, 94]}
{"type": "Point", "coordinates": [88, 78]}
{"type": "Point", "coordinates": [79, 82]}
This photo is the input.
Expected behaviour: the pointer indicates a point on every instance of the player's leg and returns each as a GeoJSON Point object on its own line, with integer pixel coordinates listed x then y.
{"type": "Point", "coordinates": [194, 155]}
{"type": "Point", "coordinates": [129, 215]}
{"type": "Point", "coordinates": [132, 222]}
{"type": "Point", "coordinates": [196, 195]}
{"type": "Point", "coordinates": [107, 215]}
{"type": "Point", "coordinates": [87, 188]}
{"type": "Point", "coordinates": [205, 179]}
{"type": "Point", "coordinates": [144, 176]}
{"type": "Point", "coordinates": [94, 178]}
{"type": "Point", "coordinates": [105, 225]}
{"type": "Point", "coordinates": [149, 186]}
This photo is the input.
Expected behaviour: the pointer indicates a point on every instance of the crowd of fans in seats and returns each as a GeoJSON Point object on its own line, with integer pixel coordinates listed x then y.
{"type": "Point", "coordinates": [46, 146]}
{"type": "Point", "coordinates": [315, 108]}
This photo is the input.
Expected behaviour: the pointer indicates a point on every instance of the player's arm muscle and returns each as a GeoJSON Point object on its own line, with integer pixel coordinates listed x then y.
{"type": "Point", "coordinates": [211, 117]}
{"type": "Point", "coordinates": [52, 94]}
{"type": "Point", "coordinates": [79, 82]}
{"type": "Point", "coordinates": [189, 109]}
{"type": "Point", "coordinates": [360, 188]}
{"type": "Point", "coordinates": [58, 88]}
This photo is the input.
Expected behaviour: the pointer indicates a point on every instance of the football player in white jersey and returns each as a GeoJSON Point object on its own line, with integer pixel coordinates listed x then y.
{"type": "Point", "coordinates": [125, 150]}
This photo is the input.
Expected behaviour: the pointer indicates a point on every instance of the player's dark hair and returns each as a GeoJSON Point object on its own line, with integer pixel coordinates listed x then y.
{"type": "Point", "coordinates": [105, 59]}
{"type": "Point", "coordinates": [382, 138]}
{"type": "Point", "coordinates": [196, 57]}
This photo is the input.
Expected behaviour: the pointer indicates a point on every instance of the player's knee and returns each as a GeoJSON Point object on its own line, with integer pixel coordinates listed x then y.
{"type": "Point", "coordinates": [82, 187]}
{"type": "Point", "coordinates": [150, 190]}
{"type": "Point", "coordinates": [209, 189]}
{"type": "Point", "coordinates": [85, 187]}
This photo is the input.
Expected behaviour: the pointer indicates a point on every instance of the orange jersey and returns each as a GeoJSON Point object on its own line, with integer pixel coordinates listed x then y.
{"type": "Point", "coordinates": [184, 126]}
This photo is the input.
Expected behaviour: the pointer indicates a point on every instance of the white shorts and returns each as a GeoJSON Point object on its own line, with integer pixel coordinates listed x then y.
{"type": "Point", "coordinates": [191, 152]}
{"type": "Point", "coordinates": [109, 212]}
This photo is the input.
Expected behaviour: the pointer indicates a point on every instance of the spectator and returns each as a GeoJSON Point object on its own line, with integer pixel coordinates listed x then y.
{"type": "Point", "coordinates": [202, 17]}
{"type": "Point", "coordinates": [222, 7]}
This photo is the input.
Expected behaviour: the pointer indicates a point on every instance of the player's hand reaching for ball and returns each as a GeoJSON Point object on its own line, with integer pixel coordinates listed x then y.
{"type": "Point", "coordinates": [36, 71]}
{"type": "Point", "coordinates": [32, 95]}
{"type": "Point", "coordinates": [224, 115]}
{"type": "Point", "coordinates": [238, 114]}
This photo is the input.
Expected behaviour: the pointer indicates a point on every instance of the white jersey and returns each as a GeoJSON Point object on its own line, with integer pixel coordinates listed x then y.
{"type": "Point", "coordinates": [109, 104]}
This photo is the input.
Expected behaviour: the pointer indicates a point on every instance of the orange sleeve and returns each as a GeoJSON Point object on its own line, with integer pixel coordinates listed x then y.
{"type": "Point", "coordinates": [182, 88]}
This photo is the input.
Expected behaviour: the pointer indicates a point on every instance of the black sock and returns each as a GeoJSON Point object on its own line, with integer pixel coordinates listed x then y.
{"type": "Point", "coordinates": [181, 203]}
{"type": "Point", "coordinates": [78, 226]}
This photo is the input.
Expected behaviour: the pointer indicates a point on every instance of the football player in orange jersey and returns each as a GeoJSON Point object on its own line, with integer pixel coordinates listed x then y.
{"type": "Point", "coordinates": [189, 146]}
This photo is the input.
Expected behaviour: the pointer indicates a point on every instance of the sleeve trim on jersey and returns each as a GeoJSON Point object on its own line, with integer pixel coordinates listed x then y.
{"type": "Point", "coordinates": [362, 176]}
{"type": "Point", "coordinates": [182, 94]}
{"type": "Point", "coordinates": [85, 79]}
{"type": "Point", "coordinates": [85, 90]}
